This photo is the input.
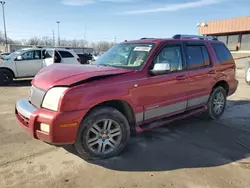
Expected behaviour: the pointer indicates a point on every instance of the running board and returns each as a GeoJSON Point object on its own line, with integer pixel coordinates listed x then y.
{"type": "Point", "coordinates": [170, 119]}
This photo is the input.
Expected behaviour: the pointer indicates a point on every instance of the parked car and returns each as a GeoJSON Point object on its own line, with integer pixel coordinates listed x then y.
{"type": "Point", "coordinates": [85, 58]}
{"type": "Point", "coordinates": [247, 72]}
{"type": "Point", "coordinates": [97, 107]}
{"type": "Point", "coordinates": [29, 61]}
{"type": "Point", "coordinates": [4, 54]}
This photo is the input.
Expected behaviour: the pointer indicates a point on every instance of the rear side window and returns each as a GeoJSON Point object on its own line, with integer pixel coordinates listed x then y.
{"type": "Point", "coordinates": [65, 54]}
{"type": "Point", "coordinates": [222, 53]}
{"type": "Point", "coordinates": [197, 57]}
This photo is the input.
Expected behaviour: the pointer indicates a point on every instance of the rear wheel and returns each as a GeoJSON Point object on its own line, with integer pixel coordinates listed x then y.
{"type": "Point", "coordinates": [6, 77]}
{"type": "Point", "coordinates": [217, 103]}
{"type": "Point", "coordinates": [102, 134]}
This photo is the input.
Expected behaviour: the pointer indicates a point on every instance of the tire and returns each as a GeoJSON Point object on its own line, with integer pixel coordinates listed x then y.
{"type": "Point", "coordinates": [90, 138]}
{"type": "Point", "coordinates": [247, 75]}
{"type": "Point", "coordinates": [211, 112]}
{"type": "Point", "coordinates": [6, 77]}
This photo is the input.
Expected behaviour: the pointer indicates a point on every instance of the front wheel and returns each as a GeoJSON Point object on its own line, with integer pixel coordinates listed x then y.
{"type": "Point", "coordinates": [102, 134]}
{"type": "Point", "coordinates": [217, 103]}
{"type": "Point", "coordinates": [6, 77]}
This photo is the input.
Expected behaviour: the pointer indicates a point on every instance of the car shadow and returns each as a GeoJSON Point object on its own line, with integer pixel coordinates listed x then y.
{"type": "Point", "coordinates": [191, 143]}
{"type": "Point", "coordinates": [20, 83]}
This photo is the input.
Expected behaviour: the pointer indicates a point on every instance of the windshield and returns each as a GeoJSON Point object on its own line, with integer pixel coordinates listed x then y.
{"type": "Point", "coordinates": [13, 54]}
{"type": "Point", "coordinates": [127, 55]}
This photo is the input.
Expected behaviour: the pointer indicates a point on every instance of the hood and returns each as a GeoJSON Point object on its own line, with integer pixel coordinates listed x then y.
{"type": "Point", "coordinates": [66, 75]}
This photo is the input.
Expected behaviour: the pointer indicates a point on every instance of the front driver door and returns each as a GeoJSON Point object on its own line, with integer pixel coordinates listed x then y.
{"type": "Point", "coordinates": [166, 94]}
{"type": "Point", "coordinates": [29, 63]}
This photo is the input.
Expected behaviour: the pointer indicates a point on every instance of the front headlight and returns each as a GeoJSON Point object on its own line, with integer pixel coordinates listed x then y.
{"type": "Point", "coordinates": [52, 98]}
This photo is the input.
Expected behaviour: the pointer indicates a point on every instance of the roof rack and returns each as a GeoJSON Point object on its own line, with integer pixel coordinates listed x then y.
{"type": "Point", "coordinates": [145, 38]}
{"type": "Point", "coordinates": [200, 37]}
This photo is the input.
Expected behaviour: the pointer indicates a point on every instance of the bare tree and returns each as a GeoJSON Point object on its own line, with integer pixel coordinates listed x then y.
{"type": "Point", "coordinates": [46, 41]}
{"type": "Point", "coordinates": [34, 41]}
{"type": "Point", "coordinates": [103, 46]}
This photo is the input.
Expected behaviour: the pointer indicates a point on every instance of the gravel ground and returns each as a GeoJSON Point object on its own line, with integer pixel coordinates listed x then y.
{"type": "Point", "coordinates": [194, 153]}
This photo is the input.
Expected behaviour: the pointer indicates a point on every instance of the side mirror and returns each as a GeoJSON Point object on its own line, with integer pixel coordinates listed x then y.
{"type": "Point", "coordinates": [160, 68]}
{"type": "Point", "coordinates": [19, 58]}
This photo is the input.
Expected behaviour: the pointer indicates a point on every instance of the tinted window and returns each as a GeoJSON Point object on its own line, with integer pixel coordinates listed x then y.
{"type": "Point", "coordinates": [171, 55]}
{"type": "Point", "coordinates": [233, 42]}
{"type": "Point", "coordinates": [222, 39]}
{"type": "Point", "coordinates": [245, 42]}
{"type": "Point", "coordinates": [65, 54]}
{"type": "Point", "coordinates": [222, 53]}
{"type": "Point", "coordinates": [197, 56]}
{"type": "Point", "coordinates": [205, 55]}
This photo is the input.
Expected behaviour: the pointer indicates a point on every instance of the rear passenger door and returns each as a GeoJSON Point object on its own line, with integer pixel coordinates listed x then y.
{"type": "Point", "coordinates": [200, 72]}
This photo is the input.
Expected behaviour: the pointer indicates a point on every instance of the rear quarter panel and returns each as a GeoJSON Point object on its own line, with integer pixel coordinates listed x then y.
{"type": "Point", "coordinates": [225, 71]}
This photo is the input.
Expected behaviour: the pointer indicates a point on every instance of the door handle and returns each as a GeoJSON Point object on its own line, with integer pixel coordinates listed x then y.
{"type": "Point", "coordinates": [182, 77]}
{"type": "Point", "coordinates": [212, 72]}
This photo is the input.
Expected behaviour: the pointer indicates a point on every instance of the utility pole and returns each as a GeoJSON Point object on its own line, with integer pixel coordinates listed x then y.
{"type": "Point", "coordinates": [5, 33]}
{"type": "Point", "coordinates": [85, 28]}
{"type": "Point", "coordinates": [53, 38]}
{"type": "Point", "coordinates": [58, 22]}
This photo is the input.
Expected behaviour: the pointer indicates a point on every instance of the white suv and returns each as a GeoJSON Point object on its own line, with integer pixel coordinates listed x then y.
{"type": "Point", "coordinates": [28, 62]}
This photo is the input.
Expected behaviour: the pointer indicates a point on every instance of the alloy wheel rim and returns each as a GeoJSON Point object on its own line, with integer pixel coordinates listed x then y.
{"type": "Point", "coordinates": [248, 75]}
{"type": "Point", "coordinates": [218, 103]}
{"type": "Point", "coordinates": [104, 136]}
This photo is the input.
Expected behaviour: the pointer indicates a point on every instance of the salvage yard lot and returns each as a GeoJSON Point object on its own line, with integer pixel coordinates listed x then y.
{"type": "Point", "coordinates": [188, 153]}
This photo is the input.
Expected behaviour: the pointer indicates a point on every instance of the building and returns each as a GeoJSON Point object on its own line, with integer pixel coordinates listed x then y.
{"type": "Point", "coordinates": [235, 32]}
{"type": "Point", "coordinates": [12, 47]}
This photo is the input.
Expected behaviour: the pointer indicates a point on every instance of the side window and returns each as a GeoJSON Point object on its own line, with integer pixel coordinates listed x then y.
{"type": "Point", "coordinates": [57, 57]}
{"type": "Point", "coordinates": [65, 54]}
{"type": "Point", "coordinates": [222, 53]}
{"type": "Point", "coordinates": [171, 55]}
{"type": "Point", "coordinates": [48, 54]}
{"type": "Point", "coordinates": [28, 55]}
{"type": "Point", "coordinates": [43, 54]}
{"type": "Point", "coordinates": [37, 54]}
{"type": "Point", "coordinates": [205, 56]}
{"type": "Point", "coordinates": [197, 57]}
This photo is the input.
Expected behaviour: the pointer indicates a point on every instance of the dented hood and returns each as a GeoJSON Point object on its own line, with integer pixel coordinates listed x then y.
{"type": "Point", "coordinates": [66, 75]}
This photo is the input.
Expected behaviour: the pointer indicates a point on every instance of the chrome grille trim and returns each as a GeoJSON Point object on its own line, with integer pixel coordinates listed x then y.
{"type": "Point", "coordinates": [36, 96]}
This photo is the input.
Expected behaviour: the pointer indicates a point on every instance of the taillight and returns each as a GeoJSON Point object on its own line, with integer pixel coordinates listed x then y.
{"type": "Point", "coordinates": [79, 60]}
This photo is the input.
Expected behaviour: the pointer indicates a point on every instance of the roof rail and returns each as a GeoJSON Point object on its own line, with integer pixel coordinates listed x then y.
{"type": "Point", "coordinates": [200, 37]}
{"type": "Point", "coordinates": [145, 38]}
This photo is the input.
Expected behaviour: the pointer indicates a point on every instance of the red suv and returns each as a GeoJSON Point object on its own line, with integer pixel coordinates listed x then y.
{"type": "Point", "coordinates": [133, 87]}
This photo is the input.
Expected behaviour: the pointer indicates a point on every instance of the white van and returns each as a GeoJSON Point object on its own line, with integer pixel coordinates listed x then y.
{"type": "Point", "coordinates": [28, 62]}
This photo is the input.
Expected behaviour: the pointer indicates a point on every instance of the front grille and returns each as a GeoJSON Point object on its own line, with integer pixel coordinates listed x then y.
{"type": "Point", "coordinates": [36, 96]}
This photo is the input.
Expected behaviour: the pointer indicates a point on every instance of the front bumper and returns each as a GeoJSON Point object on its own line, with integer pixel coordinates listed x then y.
{"type": "Point", "coordinates": [63, 125]}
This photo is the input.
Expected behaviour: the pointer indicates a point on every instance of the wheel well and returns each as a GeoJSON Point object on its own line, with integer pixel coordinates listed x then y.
{"type": "Point", "coordinates": [124, 108]}
{"type": "Point", "coordinates": [223, 84]}
{"type": "Point", "coordinates": [3, 68]}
